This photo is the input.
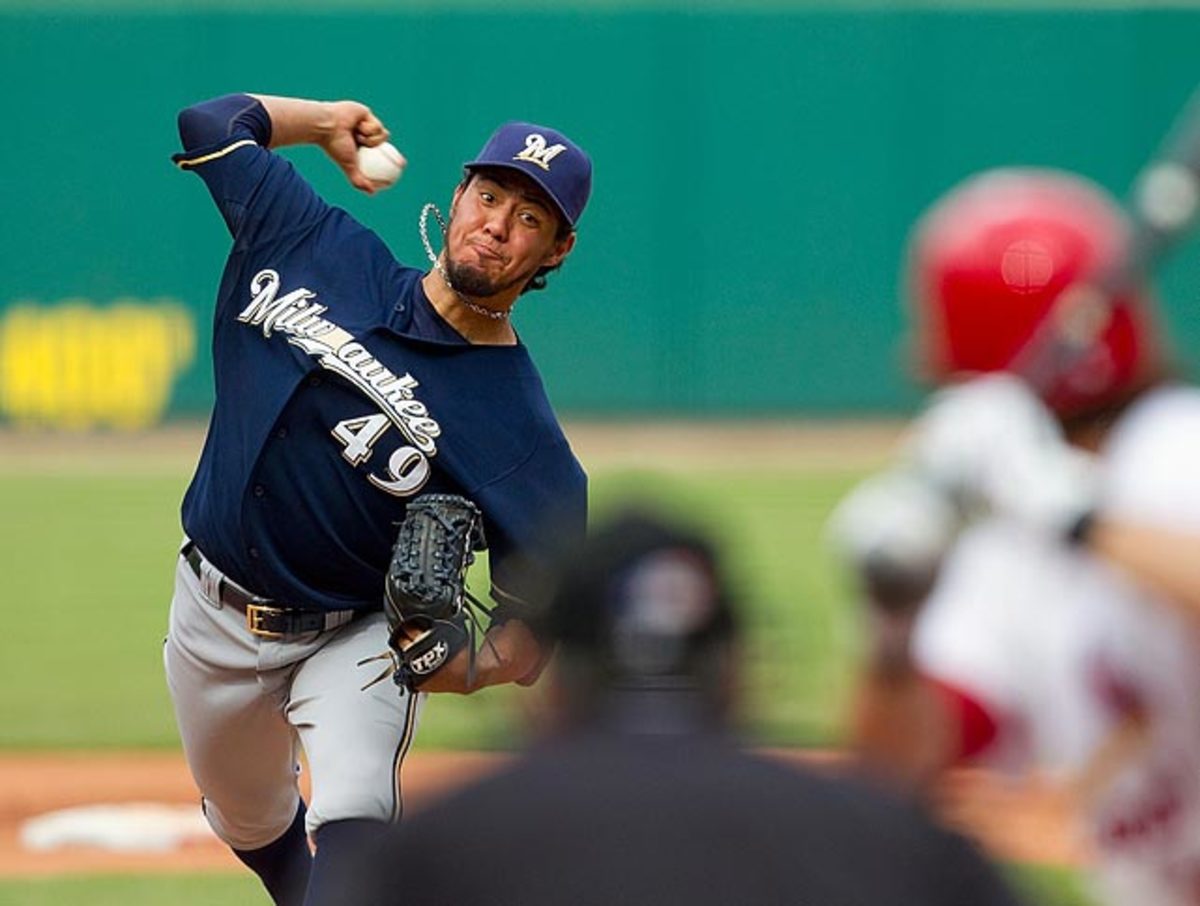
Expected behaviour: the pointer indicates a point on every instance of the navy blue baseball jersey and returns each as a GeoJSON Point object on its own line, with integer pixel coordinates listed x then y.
{"type": "Point", "coordinates": [341, 394]}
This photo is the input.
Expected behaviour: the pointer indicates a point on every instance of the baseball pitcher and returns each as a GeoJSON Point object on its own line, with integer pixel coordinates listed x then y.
{"type": "Point", "coordinates": [376, 426]}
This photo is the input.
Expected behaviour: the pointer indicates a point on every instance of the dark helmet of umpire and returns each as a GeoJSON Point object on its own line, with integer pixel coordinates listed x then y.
{"type": "Point", "coordinates": [643, 607]}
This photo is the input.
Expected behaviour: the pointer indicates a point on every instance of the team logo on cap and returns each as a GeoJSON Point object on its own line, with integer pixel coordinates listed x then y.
{"type": "Point", "coordinates": [538, 152]}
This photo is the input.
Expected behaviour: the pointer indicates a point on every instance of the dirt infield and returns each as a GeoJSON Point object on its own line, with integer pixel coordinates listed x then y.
{"type": "Point", "coordinates": [36, 784]}
{"type": "Point", "coordinates": [1025, 824]}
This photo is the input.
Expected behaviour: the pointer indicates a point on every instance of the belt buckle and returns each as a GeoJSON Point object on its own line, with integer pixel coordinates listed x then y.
{"type": "Point", "coordinates": [256, 614]}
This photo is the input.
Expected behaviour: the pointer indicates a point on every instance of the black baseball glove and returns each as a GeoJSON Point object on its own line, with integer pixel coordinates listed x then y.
{"type": "Point", "coordinates": [425, 592]}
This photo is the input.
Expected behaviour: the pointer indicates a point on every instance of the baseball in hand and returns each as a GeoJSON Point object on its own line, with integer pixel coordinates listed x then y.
{"type": "Point", "coordinates": [381, 164]}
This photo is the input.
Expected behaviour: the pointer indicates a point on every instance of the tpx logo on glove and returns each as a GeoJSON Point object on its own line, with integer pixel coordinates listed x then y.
{"type": "Point", "coordinates": [430, 660]}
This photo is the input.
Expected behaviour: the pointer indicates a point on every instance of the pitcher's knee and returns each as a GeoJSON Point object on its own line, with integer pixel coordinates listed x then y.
{"type": "Point", "coordinates": [245, 828]}
{"type": "Point", "coordinates": [352, 804]}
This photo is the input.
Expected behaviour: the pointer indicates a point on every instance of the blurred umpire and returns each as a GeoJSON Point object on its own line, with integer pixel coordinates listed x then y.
{"type": "Point", "coordinates": [639, 792]}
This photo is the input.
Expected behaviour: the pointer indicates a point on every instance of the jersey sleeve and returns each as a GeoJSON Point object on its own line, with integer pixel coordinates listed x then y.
{"type": "Point", "coordinates": [976, 727]}
{"type": "Point", "coordinates": [259, 194]}
{"type": "Point", "coordinates": [533, 516]}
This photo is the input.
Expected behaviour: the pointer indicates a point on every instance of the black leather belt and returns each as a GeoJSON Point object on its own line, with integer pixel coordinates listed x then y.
{"type": "Point", "coordinates": [265, 617]}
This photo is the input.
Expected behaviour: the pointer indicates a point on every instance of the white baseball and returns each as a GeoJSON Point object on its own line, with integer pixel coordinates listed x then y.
{"type": "Point", "coordinates": [382, 164]}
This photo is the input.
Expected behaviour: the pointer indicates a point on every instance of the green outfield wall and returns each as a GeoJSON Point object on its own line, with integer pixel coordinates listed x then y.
{"type": "Point", "coordinates": [756, 170]}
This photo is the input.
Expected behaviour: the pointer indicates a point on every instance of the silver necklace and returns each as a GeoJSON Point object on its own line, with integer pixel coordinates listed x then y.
{"type": "Point", "coordinates": [422, 225]}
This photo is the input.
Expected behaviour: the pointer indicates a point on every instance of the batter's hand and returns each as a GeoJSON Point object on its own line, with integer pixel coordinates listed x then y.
{"type": "Point", "coordinates": [510, 653]}
{"type": "Point", "coordinates": [994, 447]}
{"type": "Point", "coordinates": [893, 530]}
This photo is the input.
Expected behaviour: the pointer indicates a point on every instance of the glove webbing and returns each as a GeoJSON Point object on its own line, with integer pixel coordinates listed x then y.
{"type": "Point", "coordinates": [431, 567]}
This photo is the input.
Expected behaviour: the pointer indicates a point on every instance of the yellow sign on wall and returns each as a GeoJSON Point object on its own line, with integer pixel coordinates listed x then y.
{"type": "Point", "coordinates": [78, 365]}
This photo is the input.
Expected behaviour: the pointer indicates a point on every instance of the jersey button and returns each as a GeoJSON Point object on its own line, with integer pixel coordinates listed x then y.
{"type": "Point", "coordinates": [314, 381]}
{"type": "Point", "coordinates": [259, 490]}
{"type": "Point", "coordinates": [281, 433]}
{"type": "Point", "coordinates": [253, 552]}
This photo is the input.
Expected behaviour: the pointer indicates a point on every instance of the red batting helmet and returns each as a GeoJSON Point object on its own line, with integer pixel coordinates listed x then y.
{"type": "Point", "coordinates": [986, 264]}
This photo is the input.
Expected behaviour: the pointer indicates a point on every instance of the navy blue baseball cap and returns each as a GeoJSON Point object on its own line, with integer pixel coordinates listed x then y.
{"type": "Point", "coordinates": [545, 155]}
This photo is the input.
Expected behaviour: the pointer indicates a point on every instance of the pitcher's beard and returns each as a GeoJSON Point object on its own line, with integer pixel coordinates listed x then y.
{"type": "Point", "coordinates": [473, 282]}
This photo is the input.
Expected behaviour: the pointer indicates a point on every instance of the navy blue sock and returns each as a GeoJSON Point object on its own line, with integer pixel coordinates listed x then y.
{"type": "Point", "coordinates": [283, 866]}
{"type": "Point", "coordinates": [339, 862]}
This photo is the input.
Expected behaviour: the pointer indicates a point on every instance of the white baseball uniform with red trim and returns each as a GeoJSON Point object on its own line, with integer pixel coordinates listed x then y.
{"type": "Point", "coordinates": [1087, 674]}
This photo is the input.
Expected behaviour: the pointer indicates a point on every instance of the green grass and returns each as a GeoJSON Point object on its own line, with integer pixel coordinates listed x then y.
{"type": "Point", "coordinates": [87, 564]}
{"type": "Point", "coordinates": [801, 622]}
{"type": "Point", "coordinates": [88, 560]}
{"type": "Point", "coordinates": [1041, 886]}
{"type": "Point", "coordinates": [1049, 886]}
{"type": "Point", "coordinates": [141, 890]}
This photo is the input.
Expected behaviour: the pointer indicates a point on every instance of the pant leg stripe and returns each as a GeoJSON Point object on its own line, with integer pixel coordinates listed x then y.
{"type": "Point", "coordinates": [410, 719]}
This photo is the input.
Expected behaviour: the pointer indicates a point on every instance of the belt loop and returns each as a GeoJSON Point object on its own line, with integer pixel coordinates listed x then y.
{"type": "Point", "coordinates": [210, 583]}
